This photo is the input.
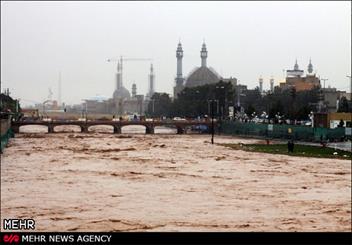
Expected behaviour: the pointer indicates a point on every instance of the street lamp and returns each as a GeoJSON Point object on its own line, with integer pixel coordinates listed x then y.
{"type": "Point", "coordinates": [212, 117]}
{"type": "Point", "coordinates": [153, 105]}
{"type": "Point", "coordinates": [253, 116]}
{"type": "Point", "coordinates": [311, 117]}
{"type": "Point", "coordinates": [222, 106]}
{"type": "Point", "coordinates": [239, 107]}
{"type": "Point", "coordinates": [350, 86]}
{"type": "Point", "coordinates": [44, 113]}
{"type": "Point", "coordinates": [239, 94]}
{"type": "Point", "coordinates": [86, 109]}
{"type": "Point", "coordinates": [199, 110]}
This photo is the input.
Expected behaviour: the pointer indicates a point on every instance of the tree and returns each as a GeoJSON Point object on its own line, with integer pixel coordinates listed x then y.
{"type": "Point", "coordinates": [343, 105]}
{"type": "Point", "coordinates": [160, 105]}
{"type": "Point", "coordinates": [193, 102]}
{"type": "Point", "coordinates": [251, 98]}
{"type": "Point", "coordinates": [249, 110]}
{"type": "Point", "coordinates": [293, 93]}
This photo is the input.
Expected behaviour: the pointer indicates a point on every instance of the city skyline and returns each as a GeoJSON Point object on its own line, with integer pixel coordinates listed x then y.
{"type": "Point", "coordinates": [259, 39]}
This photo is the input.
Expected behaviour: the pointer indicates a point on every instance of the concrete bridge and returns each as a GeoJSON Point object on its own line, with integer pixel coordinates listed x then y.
{"type": "Point", "coordinates": [117, 125]}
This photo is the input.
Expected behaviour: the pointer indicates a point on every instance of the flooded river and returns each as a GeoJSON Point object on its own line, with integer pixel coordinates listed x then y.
{"type": "Point", "coordinates": [100, 181]}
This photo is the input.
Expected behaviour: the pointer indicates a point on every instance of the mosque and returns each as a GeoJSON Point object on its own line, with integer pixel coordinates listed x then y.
{"type": "Point", "coordinates": [199, 76]}
{"type": "Point", "coordinates": [122, 102]}
{"type": "Point", "coordinates": [295, 78]}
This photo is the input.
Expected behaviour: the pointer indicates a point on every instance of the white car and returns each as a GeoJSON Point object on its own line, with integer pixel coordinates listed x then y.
{"type": "Point", "coordinates": [178, 119]}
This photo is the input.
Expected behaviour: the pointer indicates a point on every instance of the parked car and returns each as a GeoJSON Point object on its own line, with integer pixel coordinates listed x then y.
{"type": "Point", "coordinates": [178, 119]}
{"type": "Point", "coordinates": [308, 124]}
{"type": "Point", "coordinates": [200, 128]}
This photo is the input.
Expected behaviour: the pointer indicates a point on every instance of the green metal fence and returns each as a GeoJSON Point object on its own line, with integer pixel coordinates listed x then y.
{"type": "Point", "coordinates": [5, 131]}
{"type": "Point", "coordinates": [5, 139]}
{"type": "Point", "coordinates": [284, 131]}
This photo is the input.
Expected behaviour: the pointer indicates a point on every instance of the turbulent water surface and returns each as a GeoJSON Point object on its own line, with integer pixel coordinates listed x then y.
{"type": "Point", "coordinates": [100, 181]}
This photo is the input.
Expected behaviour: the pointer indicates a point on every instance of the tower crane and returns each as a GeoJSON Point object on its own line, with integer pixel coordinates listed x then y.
{"type": "Point", "coordinates": [122, 59]}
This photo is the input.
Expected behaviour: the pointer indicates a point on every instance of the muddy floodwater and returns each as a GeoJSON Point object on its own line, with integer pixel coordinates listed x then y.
{"type": "Point", "coordinates": [100, 181]}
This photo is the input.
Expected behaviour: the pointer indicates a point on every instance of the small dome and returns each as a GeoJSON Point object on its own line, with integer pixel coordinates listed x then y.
{"type": "Point", "coordinates": [122, 92]}
{"type": "Point", "coordinates": [201, 76]}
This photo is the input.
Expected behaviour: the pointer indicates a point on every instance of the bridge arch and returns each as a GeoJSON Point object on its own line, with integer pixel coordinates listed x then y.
{"type": "Point", "coordinates": [102, 128]}
{"type": "Point", "coordinates": [136, 129]}
{"type": "Point", "coordinates": [34, 128]}
{"type": "Point", "coordinates": [161, 129]}
{"type": "Point", "coordinates": [67, 128]}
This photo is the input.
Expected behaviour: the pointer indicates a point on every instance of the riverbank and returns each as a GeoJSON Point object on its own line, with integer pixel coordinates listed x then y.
{"type": "Point", "coordinates": [302, 150]}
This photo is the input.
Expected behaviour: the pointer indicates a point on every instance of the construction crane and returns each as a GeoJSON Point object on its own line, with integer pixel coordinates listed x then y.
{"type": "Point", "coordinates": [50, 96]}
{"type": "Point", "coordinates": [121, 60]}
{"type": "Point", "coordinates": [120, 63]}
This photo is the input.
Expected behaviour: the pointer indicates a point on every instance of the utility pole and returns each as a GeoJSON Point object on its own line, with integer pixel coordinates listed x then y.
{"type": "Point", "coordinates": [322, 97]}
{"type": "Point", "coordinates": [212, 122]}
{"type": "Point", "coordinates": [212, 117]}
{"type": "Point", "coordinates": [324, 79]}
{"type": "Point", "coordinates": [16, 106]}
{"type": "Point", "coordinates": [121, 60]}
{"type": "Point", "coordinates": [59, 92]}
{"type": "Point", "coordinates": [222, 106]}
{"type": "Point", "coordinates": [86, 111]}
{"type": "Point", "coordinates": [153, 105]}
{"type": "Point", "coordinates": [238, 96]}
{"type": "Point", "coordinates": [350, 86]}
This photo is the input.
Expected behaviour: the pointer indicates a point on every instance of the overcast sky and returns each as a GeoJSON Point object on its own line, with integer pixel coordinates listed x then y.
{"type": "Point", "coordinates": [244, 40]}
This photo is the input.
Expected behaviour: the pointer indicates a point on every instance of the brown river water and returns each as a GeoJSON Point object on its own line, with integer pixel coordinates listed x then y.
{"type": "Point", "coordinates": [100, 181]}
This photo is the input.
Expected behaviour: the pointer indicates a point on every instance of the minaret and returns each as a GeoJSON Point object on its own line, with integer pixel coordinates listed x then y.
{"type": "Point", "coordinates": [179, 78]}
{"type": "Point", "coordinates": [118, 76]}
{"type": "Point", "coordinates": [59, 91]}
{"type": "Point", "coordinates": [179, 56]}
{"type": "Point", "coordinates": [261, 85]}
{"type": "Point", "coordinates": [296, 66]}
{"type": "Point", "coordinates": [134, 90]}
{"type": "Point", "coordinates": [272, 85]}
{"type": "Point", "coordinates": [151, 81]}
{"type": "Point", "coordinates": [204, 55]}
{"type": "Point", "coordinates": [310, 67]}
